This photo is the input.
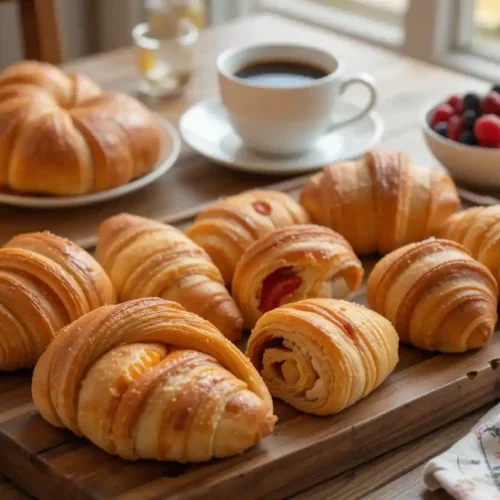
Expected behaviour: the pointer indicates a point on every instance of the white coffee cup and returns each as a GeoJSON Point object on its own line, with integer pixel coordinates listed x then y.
{"type": "Point", "coordinates": [286, 121]}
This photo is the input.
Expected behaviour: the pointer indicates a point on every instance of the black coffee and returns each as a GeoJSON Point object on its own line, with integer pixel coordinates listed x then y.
{"type": "Point", "coordinates": [283, 74]}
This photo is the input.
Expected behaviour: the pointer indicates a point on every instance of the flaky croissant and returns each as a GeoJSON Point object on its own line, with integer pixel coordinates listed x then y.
{"type": "Point", "coordinates": [323, 355]}
{"type": "Point", "coordinates": [380, 202]}
{"type": "Point", "coordinates": [436, 296]}
{"type": "Point", "coordinates": [228, 227]}
{"type": "Point", "coordinates": [46, 282]}
{"type": "Point", "coordinates": [145, 258]}
{"type": "Point", "coordinates": [478, 230]}
{"type": "Point", "coordinates": [147, 379]}
{"type": "Point", "coordinates": [291, 264]}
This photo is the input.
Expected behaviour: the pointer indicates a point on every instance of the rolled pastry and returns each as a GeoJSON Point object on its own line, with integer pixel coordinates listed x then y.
{"type": "Point", "coordinates": [228, 227]}
{"type": "Point", "coordinates": [148, 379]}
{"type": "Point", "coordinates": [46, 282]}
{"type": "Point", "coordinates": [436, 296]}
{"type": "Point", "coordinates": [145, 258]}
{"type": "Point", "coordinates": [380, 202]}
{"type": "Point", "coordinates": [478, 230]}
{"type": "Point", "coordinates": [291, 264]}
{"type": "Point", "coordinates": [323, 355]}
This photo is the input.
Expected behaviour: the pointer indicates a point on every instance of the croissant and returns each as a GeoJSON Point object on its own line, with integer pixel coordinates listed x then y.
{"type": "Point", "coordinates": [61, 135]}
{"type": "Point", "coordinates": [436, 296]}
{"type": "Point", "coordinates": [148, 379]}
{"type": "Point", "coordinates": [380, 202]}
{"type": "Point", "coordinates": [478, 229]}
{"type": "Point", "coordinates": [145, 258]}
{"type": "Point", "coordinates": [229, 226]}
{"type": "Point", "coordinates": [323, 355]}
{"type": "Point", "coordinates": [291, 264]}
{"type": "Point", "coordinates": [46, 282]}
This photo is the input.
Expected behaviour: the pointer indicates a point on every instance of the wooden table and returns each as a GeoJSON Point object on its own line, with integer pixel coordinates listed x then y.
{"type": "Point", "coordinates": [404, 85]}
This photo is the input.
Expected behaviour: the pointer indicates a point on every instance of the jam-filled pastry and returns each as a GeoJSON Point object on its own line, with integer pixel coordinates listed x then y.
{"type": "Point", "coordinates": [323, 355]}
{"type": "Point", "coordinates": [145, 258]}
{"type": "Point", "coordinates": [46, 282]}
{"type": "Point", "coordinates": [291, 264]}
{"type": "Point", "coordinates": [478, 230]}
{"type": "Point", "coordinates": [148, 379]}
{"type": "Point", "coordinates": [381, 202]}
{"type": "Point", "coordinates": [436, 296]}
{"type": "Point", "coordinates": [229, 226]}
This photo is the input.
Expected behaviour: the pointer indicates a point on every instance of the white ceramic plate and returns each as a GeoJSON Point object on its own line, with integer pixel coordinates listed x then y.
{"type": "Point", "coordinates": [206, 128]}
{"type": "Point", "coordinates": [170, 152]}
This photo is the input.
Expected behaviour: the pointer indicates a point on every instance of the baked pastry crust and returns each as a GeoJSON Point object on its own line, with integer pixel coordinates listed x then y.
{"type": "Point", "coordinates": [46, 282]}
{"type": "Point", "coordinates": [229, 226]}
{"type": "Point", "coordinates": [380, 202]}
{"type": "Point", "coordinates": [145, 258]}
{"type": "Point", "coordinates": [292, 264]}
{"type": "Point", "coordinates": [436, 296]}
{"type": "Point", "coordinates": [323, 355]}
{"type": "Point", "coordinates": [478, 230]}
{"type": "Point", "coordinates": [61, 135]}
{"type": "Point", "coordinates": [148, 379]}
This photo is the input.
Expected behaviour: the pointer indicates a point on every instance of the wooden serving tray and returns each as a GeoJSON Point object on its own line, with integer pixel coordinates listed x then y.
{"type": "Point", "coordinates": [425, 392]}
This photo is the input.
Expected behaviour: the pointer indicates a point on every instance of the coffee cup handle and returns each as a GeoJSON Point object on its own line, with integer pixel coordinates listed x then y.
{"type": "Point", "coordinates": [363, 79]}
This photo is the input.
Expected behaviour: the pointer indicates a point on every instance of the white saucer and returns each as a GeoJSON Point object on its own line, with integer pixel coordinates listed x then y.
{"type": "Point", "coordinates": [206, 128]}
{"type": "Point", "coordinates": [170, 152]}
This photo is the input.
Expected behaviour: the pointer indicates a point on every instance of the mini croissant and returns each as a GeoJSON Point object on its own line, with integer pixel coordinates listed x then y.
{"type": "Point", "coordinates": [291, 264]}
{"type": "Point", "coordinates": [228, 227]}
{"type": "Point", "coordinates": [148, 379]}
{"type": "Point", "coordinates": [145, 258]}
{"type": "Point", "coordinates": [380, 202]}
{"type": "Point", "coordinates": [478, 230]}
{"type": "Point", "coordinates": [46, 282]}
{"type": "Point", "coordinates": [323, 355]}
{"type": "Point", "coordinates": [436, 296]}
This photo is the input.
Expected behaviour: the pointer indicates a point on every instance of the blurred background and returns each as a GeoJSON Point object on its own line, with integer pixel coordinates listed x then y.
{"type": "Point", "coordinates": [462, 34]}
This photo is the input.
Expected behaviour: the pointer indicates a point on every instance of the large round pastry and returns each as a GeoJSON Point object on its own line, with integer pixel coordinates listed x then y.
{"type": "Point", "coordinates": [60, 134]}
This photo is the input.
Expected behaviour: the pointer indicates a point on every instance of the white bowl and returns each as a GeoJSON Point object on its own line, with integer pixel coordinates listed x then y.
{"type": "Point", "coordinates": [473, 165]}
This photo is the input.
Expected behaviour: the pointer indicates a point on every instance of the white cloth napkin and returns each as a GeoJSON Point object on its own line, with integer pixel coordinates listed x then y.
{"type": "Point", "coordinates": [470, 469]}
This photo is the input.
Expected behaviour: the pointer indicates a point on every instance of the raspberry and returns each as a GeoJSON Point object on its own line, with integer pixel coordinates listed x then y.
{"type": "Point", "coordinates": [455, 101]}
{"type": "Point", "coordinates": [455, 128]}
{"type": "Point", "coordinates": [491, 103]}
{"type": "Point", "coordinates": [487, 130]}
{"type": "Point", "coordinates": [441, 114]}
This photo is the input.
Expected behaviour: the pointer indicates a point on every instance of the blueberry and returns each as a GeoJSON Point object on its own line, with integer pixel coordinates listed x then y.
{"type": "Point", "coordinates": [472, 101]}
{"type": "Point", "coordinates": [469, 118]}
{"type": "Point", "coordinates": [496, 88]}
{"type": "Point", "coordinates": [441, 128]}
{"type": "Point", "coordinates": [468, 137]}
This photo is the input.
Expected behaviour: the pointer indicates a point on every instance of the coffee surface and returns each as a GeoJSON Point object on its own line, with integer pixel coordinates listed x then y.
{"type": "Point", "coordinates": [281, 74]}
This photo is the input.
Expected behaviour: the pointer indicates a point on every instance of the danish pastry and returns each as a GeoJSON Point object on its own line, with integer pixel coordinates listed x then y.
{"type": "Point", "coordinates": [231, 225]}
{"type": "Point", "coordinates": [148, 379]}
{"type": "Point", "coordinates": [436, 296]}
{"type": "Point", "coordinates": [323, 355]}
{"type": "Point", "coordinates": [46, 282]}
{"type": "Point", "coordinates": [145, 258]}
{"type": "Point", "coordinates": [291, 264]}
{"type": "Point", "coordinates": [380, 202]}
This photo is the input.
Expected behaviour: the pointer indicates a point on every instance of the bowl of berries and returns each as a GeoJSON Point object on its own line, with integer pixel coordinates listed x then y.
{"type": "Point", "coordinates": [463, 133]}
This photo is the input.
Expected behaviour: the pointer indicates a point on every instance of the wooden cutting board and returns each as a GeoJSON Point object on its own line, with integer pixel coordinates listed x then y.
{"type": "Point", "coordinates": [425, 392]}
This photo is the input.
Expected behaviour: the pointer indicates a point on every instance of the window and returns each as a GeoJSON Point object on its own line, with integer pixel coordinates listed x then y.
{"type": "Point", "coordinates": [460, 34]}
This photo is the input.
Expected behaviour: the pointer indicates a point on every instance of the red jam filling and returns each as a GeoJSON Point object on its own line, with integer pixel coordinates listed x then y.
{"type": "Point", "coordinates": [277, 286]}
{"type": "Point", "coordinates": [262, 207]}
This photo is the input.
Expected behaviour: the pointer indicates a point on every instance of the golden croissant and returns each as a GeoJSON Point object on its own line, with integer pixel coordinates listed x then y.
{"type": "Point", "coordinates": [148, 379]}
{"type": "Point", "coordinates": [291, 264]}
{"type": "Point", "coordinates": [380, 202]}
{"type": "Point", "coordinates": [478, 230]}
{"type": "Point", "coordinates": [46, 282]}
{"type": "Point", "coordinates": [436, 296]}
{"type": "Point", "coordinates": [323, 355]}
{"type": "Point", "coordinates": [61, 135]}
{"type": "Point", "coordinates": [145, 258]}
{"type": "Point", "coordinates": [228, 227]}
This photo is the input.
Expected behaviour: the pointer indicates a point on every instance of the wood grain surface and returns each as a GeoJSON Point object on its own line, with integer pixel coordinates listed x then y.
{"type": "Point", "coordinates": [425, 392]}
{"type": "Point", "coordinates": [404, 85]}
